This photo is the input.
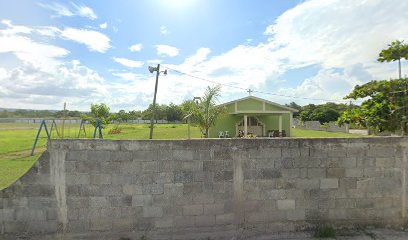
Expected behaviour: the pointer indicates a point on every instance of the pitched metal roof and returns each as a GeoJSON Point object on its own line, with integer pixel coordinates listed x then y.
{"type": "Point", "coordinates": [261, 100]}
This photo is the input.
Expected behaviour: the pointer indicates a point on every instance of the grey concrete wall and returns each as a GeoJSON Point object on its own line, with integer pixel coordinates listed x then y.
{"type": "Point", "coordinates": [208, 188]}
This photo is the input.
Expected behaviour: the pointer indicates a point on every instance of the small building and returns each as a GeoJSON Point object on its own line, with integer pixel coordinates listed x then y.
{"type": "Point", "coordinates": [253, 116]}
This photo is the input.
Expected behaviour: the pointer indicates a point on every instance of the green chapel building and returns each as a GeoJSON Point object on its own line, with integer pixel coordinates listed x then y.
{"type": "Point", "coordinates": [253, 116]}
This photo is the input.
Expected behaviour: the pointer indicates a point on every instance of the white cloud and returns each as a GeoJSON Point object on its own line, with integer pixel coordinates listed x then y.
{"type": "Point", "coordinates": [40, 55]}
{"type": "Point", "coordinates": [103, 25]}
{"type": "Point", "coordinates": [85, 11]}
{"type": "Point", "coordinates": [330, 34]}
{"type": "Point", "coordinates": [95, 41]}
{"type": "Point", "coordinates": [128, 62]}
{"type": "Point", "coordinates": [64, 11]}
{"type": "Point", "coordinates": [200, 56]}
{"type": "Point", "coordinates": [166, 50]}
{"type": "Point", "coordinates": [154, 61]}
{"type": "Point", "coordinates": [128, 76]}
{"type": "Point", "coordinates": [136, 47]}
{"type": "Point", "coordinates": [164, 30]}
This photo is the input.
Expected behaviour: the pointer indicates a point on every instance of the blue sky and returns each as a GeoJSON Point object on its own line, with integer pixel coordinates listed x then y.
{"type": "Point", "coordinates": [84, 52]}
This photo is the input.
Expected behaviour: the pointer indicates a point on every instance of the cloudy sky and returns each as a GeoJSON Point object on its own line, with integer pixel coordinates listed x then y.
{"type": "Point", "coordinates": [84, 52]}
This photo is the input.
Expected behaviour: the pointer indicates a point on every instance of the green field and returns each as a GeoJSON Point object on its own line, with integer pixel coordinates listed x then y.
{"type": "Point", "coordinates": [16, 141]}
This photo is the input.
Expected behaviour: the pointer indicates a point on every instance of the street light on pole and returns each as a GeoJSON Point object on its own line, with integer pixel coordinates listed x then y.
{"type": "Point", "coordinates": [157, 70]}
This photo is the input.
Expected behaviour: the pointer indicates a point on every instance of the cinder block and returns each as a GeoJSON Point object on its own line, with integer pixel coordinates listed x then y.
{"type": "Point", "coordinates": [121, 156]}
{"type": "Point", "coordinates": [99, 202]}
{"type": "Point", "coordinates": [121, 201]}
{"type": "Point", "coordinates": [77, 155]}
{"type": "Point", "coordinates": [383, 202]}
{"type": "Point", "coordinates": [270, 173]}
{"type": "Point", "coordinates": [183, 155]}
{"type": "Point", "coordinates": [290, 152]}
{"type": "Point", "coordinates": [307, 183]}
{"type": "Point", "coordinates": [110, 167]}
{"type": "Point", "coordinates": [101, 179]}
{"type": "Point", "coordinates": [130, 167]}
{"type": "Point", "coordinates": [204, 221]}
{"type": "Point", "coordinates": [336, 172]}
{"type": "Point", "coordinates": [123, 224]}
{"type": "Point", "coordinates": [184, 221]}
{"type": "Point", "coordinates": [296, 215]}
{"type": "Point", "coordinates": [316, 172]}
{"type": "Point", "coordinates": [100, 224]}
{"type": "Point", "coordinates": [7, 215]}
{"type": "Point", "coordinates": [350, 162]}
{"type": "Point", "coordinates": [354, 172]}
{"type": "Point", "coordinates": [257, 217]}
{"type": "Point", "coordinates": [24, 214]}
{"type": "Point", "coordinates": [273, 194]}
{"type": "Point", "coordinates": [152, 212]}
{"type": "Point", "coordinates": [183, 177]}
{"type": "Point", "coordinates": [261, 163]}
{"type": "Point", "coordinates": [165, 222]}
{"type": "Point", "coordinates": [192, 165]}
{"type": "Point", "coordinates": [100, 155]}
{"type": "Point", "coordinates": [77, 179]}
{"type": "Point", "coordinates": [288, 204]}
{"type": "Point", "coordinates": [224, 219]}
{"type": "Point", "coordinates": [384, 161]}
{"type": "Point", "coordinates": [345, 203]}
{"type": "Point", "coordinates": [329, 183]}
{"type": "Point", "coordinates": [145, 155]}
{"type": "Point", "coordinates": [193, 210]}
{"type": "Point", "coordinates": [203, 198]}
{"type": "Point", "coordinates": [213, 209]}
{"type": "Point", "coordinates": [142, 200]}
{"type": "Point", "coordinates": [88, 167]}
{"type": "Point", "coordinates": [290, 173]}
{"type": "Point", "coordinates": [121, 179]}
{"type": "Point", "coordinates": [78, 202]}
{"type": "Point", "coordinates": [150, 167]}
{"type": "Point", "coordinates": [153, 188]}
{"type": "Point", "coordinates": [338, 214]}
{"type": "Point", "coordinates": [365, 203]}
{"type": "Point", "coordinates": [132, 189]}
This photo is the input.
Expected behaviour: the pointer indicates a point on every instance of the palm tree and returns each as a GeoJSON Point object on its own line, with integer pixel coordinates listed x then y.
{"type": "Point", "coordinates": [395, 51]}
{"type": "Point", "coordinates": [205, 112]}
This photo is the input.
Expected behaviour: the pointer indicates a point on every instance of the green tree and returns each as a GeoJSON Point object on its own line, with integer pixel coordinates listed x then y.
{"type": "Point", "coordinates": [206, 112]}
{"type": "Point", "coordinates": [159, 113]}
{"type": "Point", "coordinates": [173, 112]}
{"type": "Point", "coordinates": [101, 112]}
{"type": "Point", "coordinates": [122, 116]}
{"type": "Point", "coordinates": [295, 106]}
{"type": "Point", "coordinates": [384, 110]}
{"type": "Point", "coordinates": [395, 52]}
{"type": "Point", "coordinates": [323, 113]}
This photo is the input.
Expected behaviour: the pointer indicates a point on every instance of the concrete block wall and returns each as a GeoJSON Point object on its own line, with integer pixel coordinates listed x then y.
{"type": "Point", "coordinates": [209, 188]}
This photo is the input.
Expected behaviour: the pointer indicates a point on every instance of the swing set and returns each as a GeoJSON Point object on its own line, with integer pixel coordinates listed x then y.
{"type": "Point", "coordinates": [98, 129]}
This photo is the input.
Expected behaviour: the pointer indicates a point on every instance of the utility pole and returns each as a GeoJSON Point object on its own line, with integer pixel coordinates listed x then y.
{"type": "Point", "coordinates": [154, 101]}
{"type": "Point", "coordinates": [151, 70]}
{"type": "Point", "coordinates": [63, 120]}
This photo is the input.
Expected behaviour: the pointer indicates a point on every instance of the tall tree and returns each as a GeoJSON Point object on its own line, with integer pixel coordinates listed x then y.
{"type": "Point", "coordinates": [101, 112]}
{"type": "Point", "coordinates": [395, 52]}
{"type": "Point", "coordinates": [206, 112]}
{"type": "Point", "coordinates": [385, 108]}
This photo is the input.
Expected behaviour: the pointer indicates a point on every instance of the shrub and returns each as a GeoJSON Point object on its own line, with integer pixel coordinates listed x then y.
{"type": "Point", "coordinates": [325, 232]}
{"type": "Point", "coordinates": [115, 130]}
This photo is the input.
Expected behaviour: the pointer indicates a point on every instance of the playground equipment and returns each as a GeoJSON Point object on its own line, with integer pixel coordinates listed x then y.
{"type": "Point", "coordinates": [98, 128]}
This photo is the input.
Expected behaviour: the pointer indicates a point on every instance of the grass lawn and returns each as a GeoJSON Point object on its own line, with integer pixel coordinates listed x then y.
{"type": "Point", "coordinates": [13, 169]}
{"type": "Point", "coordinates": [301, 133]}
{"type": "Point", "coordinates": [16, 141]}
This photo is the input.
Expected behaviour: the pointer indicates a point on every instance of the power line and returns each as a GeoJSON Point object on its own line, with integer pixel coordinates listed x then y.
{"type": "Point", "coordinates": [255, 91]}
